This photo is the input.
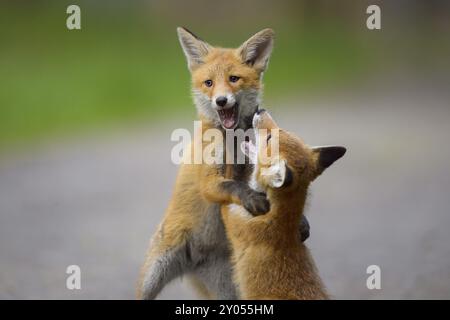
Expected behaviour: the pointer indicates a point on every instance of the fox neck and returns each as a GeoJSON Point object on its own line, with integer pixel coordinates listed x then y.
{"type": "Point", "coordinates": [287, 208]}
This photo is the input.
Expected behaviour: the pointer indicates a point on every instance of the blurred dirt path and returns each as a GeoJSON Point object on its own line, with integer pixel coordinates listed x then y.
{"type": "Point", "coordinates": [95, 203]}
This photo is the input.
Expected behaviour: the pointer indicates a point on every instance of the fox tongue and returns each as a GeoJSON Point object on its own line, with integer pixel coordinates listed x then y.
{"type": "Point", "coordinates": [228, 118]}
{"type": "Point", "coordinates": [228, 123]}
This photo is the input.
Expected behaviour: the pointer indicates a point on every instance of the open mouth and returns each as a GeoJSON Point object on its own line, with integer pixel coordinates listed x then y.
{"type": "Point", "coordinates": [229, 117]}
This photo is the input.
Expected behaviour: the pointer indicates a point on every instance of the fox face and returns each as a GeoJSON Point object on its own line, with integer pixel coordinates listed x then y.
{"type": "Point", "coordinates": [293, 165]}
{"type": "Point", "coordinates": [226, 83]}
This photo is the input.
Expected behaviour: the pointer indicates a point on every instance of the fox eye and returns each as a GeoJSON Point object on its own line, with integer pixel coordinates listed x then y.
{"type": "Point", "coordinates": [234, 78]}
{"type": "Point", "coordinates": [208, 83]}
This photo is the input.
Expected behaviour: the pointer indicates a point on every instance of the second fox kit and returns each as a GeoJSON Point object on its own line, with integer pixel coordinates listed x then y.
{"type": "Point", "coordinates": [269, 261]}
{"type": "Point", "coordinates": [226, 85]}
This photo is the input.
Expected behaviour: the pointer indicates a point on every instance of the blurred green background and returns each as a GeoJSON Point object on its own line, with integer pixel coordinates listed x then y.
{"type": "Point", "coordinates": [125, 64]}
{"type": "Point", "coordinates": [86, 118]}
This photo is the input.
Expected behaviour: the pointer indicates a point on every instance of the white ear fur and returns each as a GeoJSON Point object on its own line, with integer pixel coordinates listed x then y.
{"type": "Point", "coordinates": [256, 50]}
{"type": "Point", "coordinates": [275, 174]}
{"type": "Point", "coordinates": [193, 47]}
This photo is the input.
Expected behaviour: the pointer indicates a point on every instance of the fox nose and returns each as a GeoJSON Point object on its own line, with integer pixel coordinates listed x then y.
{"type": "Point", "coordinates": [221, 101]}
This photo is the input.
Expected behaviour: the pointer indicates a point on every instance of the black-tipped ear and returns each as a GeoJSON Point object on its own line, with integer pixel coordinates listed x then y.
{"type": "Point", "coordinates": [328, 155]}
{"type": "Point", "coordinates": [256, 50]}
{"type": "Point", "coordinates": [194, 48]}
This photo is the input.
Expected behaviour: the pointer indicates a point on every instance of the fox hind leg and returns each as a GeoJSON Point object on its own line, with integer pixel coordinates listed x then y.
{"type": "Point", "coordinates": [163, 264]}
{"type": "Point", "coordinates": [160, 270]}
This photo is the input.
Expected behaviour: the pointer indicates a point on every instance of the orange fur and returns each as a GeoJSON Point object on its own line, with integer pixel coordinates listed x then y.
{"type": "Point", "coordinates": [270, 261]}
{"type": "Point", "coordinates": [219, 65]}
{"type": "Point", "coordinates": [198, 186]}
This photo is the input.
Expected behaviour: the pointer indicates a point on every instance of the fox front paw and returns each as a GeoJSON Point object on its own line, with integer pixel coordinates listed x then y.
{"type": "Point", "coordinates": [256, 202]}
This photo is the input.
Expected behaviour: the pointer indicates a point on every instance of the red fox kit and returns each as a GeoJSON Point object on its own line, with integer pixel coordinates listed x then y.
{"type": "Point", "coordinates": [226, 86]}
{"type": "Point", "coordinates": [269, 261]}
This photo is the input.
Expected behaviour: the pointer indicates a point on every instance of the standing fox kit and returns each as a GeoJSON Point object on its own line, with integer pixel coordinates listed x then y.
{"type": "Point", "coordinates": [226, 86]}
{"type": "Point", "coordinates": [269, 260]}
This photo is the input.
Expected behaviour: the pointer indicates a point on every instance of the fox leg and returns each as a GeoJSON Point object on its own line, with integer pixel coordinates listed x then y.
{"type": "Point", "coordinates": [161, 270]}
{"type": "Point", "coordinates": [215, 277]}
{"type": "Point", "coordinates": [163, 264]}
{"type": "Point", "coordinates": [214, 281]}
{"type": "Point", "coordinates": [218, 189]}
{"type": "Point", "coordinates": [200, 288]}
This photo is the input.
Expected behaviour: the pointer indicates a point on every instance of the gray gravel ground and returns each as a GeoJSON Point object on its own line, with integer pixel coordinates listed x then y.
{"type": "Point", "coordinates": [96, 201]}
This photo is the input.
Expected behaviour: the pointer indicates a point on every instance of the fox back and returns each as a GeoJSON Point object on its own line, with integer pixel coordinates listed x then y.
{"type": "Point", "coordinates": [270, 261]}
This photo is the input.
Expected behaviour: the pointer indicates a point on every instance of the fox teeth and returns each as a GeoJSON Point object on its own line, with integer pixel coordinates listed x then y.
{"type": "Point", "coordinates": [227, 112]}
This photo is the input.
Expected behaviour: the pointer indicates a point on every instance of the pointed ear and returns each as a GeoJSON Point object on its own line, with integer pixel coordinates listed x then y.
{"type": "Point", "coordinates": [194, 48]}
{"type": "Point", "coordinates": [256, 50]}
{"type": "Point", "coordinates": [278, 174]}
{"type": "Point", "coordinates": [326, 156]}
